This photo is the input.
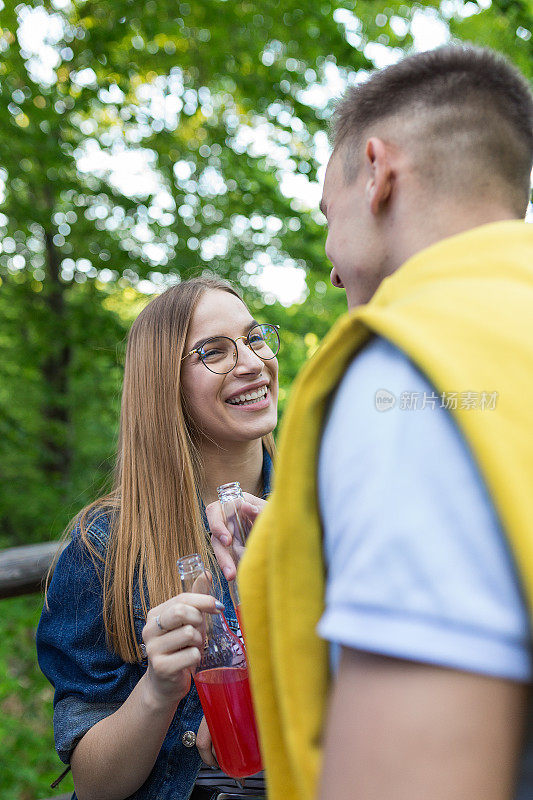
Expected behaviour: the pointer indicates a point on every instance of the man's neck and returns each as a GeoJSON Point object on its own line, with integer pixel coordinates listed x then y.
{"type": "Point", "coordinates": [442, 224]}
{"type": "Point", "coordinates": [238, 461]}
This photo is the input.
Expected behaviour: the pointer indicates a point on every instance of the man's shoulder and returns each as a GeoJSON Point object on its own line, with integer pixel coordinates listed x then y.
{"type": "Point", "coordinates": [381, 361]}
{"type": "Point", "coordinates": [377, 380]}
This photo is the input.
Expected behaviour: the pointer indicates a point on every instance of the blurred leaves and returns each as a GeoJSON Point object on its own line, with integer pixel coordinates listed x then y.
{"type": "Point", "coordinates": [29, 761]}
{"type": "Point", "coordinates": [141, 143]}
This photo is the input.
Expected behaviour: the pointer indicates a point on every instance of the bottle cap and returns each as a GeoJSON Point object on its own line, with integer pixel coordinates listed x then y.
{"type": "Point", "coordinates": [190, 564]}
{"type": "Point", "coordinates": [229, 490]}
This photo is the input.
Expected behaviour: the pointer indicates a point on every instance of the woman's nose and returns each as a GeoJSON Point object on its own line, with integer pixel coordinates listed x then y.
{"type": "Point", "coordinates": [247, 360]}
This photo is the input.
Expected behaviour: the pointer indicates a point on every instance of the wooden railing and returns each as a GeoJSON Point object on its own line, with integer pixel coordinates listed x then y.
{"type": "Point", "coordinates": [23, 570]}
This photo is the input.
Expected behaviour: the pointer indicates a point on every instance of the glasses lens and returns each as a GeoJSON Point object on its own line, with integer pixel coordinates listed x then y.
{"type": "Point", "coordinates": [264, 340]}
{"type": "Point", "coordinates": [218, 354]}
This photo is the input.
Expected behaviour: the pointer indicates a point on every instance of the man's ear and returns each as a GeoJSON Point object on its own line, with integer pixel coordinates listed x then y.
{"type": "Point", "coordinates": [380, 174]}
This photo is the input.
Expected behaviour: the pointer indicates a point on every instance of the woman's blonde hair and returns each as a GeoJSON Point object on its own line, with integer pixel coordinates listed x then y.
{"type": "Point", "coordinates": [154, 506]}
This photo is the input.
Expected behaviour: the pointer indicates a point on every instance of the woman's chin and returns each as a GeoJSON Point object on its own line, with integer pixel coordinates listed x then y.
{"type": "Point", "coordinates": [252, 429]}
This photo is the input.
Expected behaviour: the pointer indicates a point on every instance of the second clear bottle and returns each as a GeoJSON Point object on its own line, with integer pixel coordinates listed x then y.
{"type": "Point", "coordinates": [221, 680]}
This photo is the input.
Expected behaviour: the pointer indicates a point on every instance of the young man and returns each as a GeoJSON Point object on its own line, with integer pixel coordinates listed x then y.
{"type": "Point", "coordinates": [406, 460]}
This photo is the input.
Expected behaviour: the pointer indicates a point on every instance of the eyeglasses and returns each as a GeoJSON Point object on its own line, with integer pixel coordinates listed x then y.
{"type": "Point", "coordinates": [219, 354]}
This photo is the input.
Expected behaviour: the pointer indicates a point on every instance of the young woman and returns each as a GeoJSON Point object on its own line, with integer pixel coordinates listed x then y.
{"type": "Point", "coordinates": [116, 639]}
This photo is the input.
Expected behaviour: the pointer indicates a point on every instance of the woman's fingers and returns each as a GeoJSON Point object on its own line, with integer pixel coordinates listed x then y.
{"type": "Point", "coordinates": [220, 540]}
{"type": "Point", "coordinates": [184, 609]}
{"type": "Point", "coordinates": [169, 667]}
{"type": "Point", "coordinates": [177, 650]}
{"type": "Point", "coordinates": [202, 602]}
{"type": "Point", "coordinates": [224, 558]}
{"type": "Point", "coordinates": [217, 526]}
{"type": "Point", "coordinates": [174, 638]}
{"type": "Point", "coordinates": [175, 618]}
{"type": "Point", "coordinates": [253, 505]}
{"type": "Point", "coordinates": [177, 639]}
{"type": "Point", "coordinates": [221, 535]}
{"type": "Point", "coordinates": [205, 746]}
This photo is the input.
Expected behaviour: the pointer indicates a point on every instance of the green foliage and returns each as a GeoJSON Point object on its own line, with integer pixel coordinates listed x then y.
{"type": "Point", "coordinates": [507, 26]}
{"type": "Point", "coordinates": [29, 760]}
{"type": "Point", "coordinates": [36, 500]}
{"type": "Point", "coordinates": [219, 129]}
{"type": "Point", "coordinates": [221, 99]}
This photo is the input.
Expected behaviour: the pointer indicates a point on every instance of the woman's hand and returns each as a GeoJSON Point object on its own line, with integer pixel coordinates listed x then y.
{"type": "Point", "coordinates": [205, 745]}
{"type": "Point", "coordinates": [221, 537]}
{"type": "Point", "coordinates": [173, 637]}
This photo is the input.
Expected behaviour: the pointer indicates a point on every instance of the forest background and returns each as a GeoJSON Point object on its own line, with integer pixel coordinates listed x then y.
{"type": "Point", "coordinates": [140, 144]}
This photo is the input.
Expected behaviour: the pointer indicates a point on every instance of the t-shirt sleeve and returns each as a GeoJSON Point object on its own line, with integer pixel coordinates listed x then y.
{"type": "Point", "coordinates": [90, 681]}
{"type": "Point", "coordinates": [418, 565]}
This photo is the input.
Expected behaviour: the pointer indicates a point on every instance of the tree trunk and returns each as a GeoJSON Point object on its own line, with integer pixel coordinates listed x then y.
{"type": "Point", "coordinates": [57, 456]}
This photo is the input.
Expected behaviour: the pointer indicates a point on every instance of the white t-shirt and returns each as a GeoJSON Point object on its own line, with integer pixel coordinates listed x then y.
{"type": "Point", "coordinates": [418, 565]}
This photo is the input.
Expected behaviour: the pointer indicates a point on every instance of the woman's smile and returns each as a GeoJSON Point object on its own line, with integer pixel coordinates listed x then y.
{"type": "Point", "coordinates": [254, 398]}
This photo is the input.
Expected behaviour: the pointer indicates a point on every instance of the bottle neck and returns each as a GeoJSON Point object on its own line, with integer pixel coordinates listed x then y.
{"type": "Point", "coordinates": [193, 575]}
{"type": "Point", "coordinates": [229, 491]}
{"type": "Point", "coordinates": [195, 579]}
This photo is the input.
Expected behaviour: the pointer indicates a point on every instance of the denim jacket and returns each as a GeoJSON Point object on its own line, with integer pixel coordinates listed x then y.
{"type": "Point", "coordinates": [91, 682]}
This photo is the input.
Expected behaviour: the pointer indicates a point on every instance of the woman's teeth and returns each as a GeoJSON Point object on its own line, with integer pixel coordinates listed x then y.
{"type": "Point", "coordinates": [249, 397]}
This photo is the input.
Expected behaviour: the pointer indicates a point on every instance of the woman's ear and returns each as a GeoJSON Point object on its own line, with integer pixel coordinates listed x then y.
{"type": "Point", "coordinates": [380, 174]}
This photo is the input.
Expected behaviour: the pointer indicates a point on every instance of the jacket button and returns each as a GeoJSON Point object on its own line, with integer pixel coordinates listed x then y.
{"type": "Point", "coordinates": [189, 738]}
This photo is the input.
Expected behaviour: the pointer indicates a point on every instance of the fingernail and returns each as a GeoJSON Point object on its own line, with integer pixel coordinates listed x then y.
{"type": "Point", "coordinates": [219, 606]}
{"type": "Point", "coordinates": [254, 507]}
{"type": "Point", "coordinates": [227, 573]}
{"type": "Point", "coordinates": [226, 540]}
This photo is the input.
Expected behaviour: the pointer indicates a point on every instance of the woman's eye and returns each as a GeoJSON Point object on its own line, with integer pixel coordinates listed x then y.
{"type": "Point", "coordinates": [255, 337]}
{"type": "Point", "coordinates": [211, 353]}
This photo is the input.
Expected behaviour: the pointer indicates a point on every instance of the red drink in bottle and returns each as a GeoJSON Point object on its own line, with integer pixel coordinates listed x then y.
{"type": "Point", "coordinates": [239, 618]}
{"type": "Point", "coordinates": [221, 680]}
{"type": "Point", "coordinates": [225, 696]}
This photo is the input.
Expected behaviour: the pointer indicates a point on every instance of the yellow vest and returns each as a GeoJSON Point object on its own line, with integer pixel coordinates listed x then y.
{"type": "Point", "coordinates": [462, 310]}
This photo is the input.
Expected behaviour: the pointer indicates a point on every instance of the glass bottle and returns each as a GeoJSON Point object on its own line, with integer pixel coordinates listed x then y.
{"type": "Point", "coordinates": [221, 680]}
{"type": "Point", "coordinates": [231, 499]}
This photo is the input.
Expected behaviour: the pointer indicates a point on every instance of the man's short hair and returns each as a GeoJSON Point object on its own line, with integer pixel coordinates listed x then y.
{"type": "Point", "coordinates": [459, 104]}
